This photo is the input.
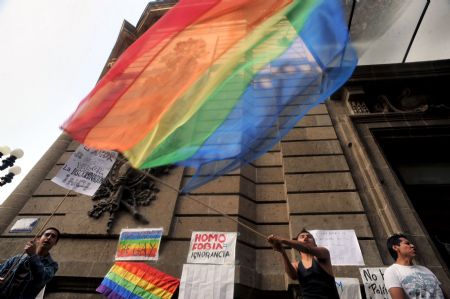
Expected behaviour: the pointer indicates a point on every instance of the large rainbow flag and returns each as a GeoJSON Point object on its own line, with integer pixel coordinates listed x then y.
{"type": "Point", "coordinates": [137, 280]}
{"type": "Point", "coordinates": [214, 84]}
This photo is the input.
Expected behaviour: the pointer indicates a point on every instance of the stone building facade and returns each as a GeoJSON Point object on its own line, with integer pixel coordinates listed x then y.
{"type": "Point", "coordinates": [341, 167]}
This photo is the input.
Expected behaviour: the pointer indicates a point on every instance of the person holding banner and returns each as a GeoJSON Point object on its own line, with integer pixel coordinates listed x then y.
{"type": "Point", "coordinates": [405, 280]}
{"type": "Point", "coordinates": [22, 277]}
{"type": "Point", "coordinates": [314, 271]}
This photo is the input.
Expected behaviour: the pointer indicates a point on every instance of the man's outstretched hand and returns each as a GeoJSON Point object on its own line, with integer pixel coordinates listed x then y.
{"type": "Point", "coordinates": [275, 242]}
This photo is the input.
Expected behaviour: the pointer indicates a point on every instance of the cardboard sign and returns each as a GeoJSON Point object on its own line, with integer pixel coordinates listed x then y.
{"type": "Point", "coordinates": [85, 170]}
{"type": "Point", "coordinates": [342, 244]}
{"type": "Point", "coordinates": [138, 244]}
{"type": "Point", "coordinates": [373, 280]}
{"type": "Point", "coordinates": [212, 248]}
{"type": "Point", "coordinates": [348, 288]}
{"type": "Point", "coordinates": [207, 281]}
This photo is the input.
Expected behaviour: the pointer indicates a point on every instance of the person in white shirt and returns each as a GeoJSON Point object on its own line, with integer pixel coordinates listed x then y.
{"type": "Point", "coordinates": [405, 280]}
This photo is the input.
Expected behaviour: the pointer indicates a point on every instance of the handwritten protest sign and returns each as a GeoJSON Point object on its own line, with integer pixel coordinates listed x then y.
{"type": "Point", "coordinates": [342, 244]}
{"type": "Point", "coordinates": [212, 248]}
{"type": "Point", "coordinates": [373, 280]}
{"type": "Point", "coordinates": [348, 288]}
{"type": "Point", "coordinates": [139, 244]}
{"type": "Point", "coordinates": [207, 281]}
{"type": "Point", "coordinates": [85, 170]}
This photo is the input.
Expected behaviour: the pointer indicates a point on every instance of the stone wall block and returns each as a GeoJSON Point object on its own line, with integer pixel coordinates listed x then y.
{"type": "Point", "coordinates": [245, 256]}
{"type": "Point", "coordinates": [358, 222]}
{"type": "Point", "coordinates": [314, 120]}
{"type": "Point", "coordinates": [247, 209]}
{"type": "Point", "coordinates": [49, 188]}
{"type": "Point", "coordinates": [319, 109]}
{"type": "Point", "coordinates": [184, 226]}
{"type": "Point", "coordinates": [269, 159]}
{"type": "Point", "coordinates": [271, 213]}
{"type": "Point", "coordinates": [226, 185]}
{"type": "Point", "coordinates": [73, 146]}
{"type": "Point", "coordinates": [270, 270]}
{"type": "Point", "coordinates": [319, 182]}
{"type": "Point", "coordinates": [314, 147]}
{"type": "Point", "coordinates": [228, 204]}
{"type": "Point", "coordinates": [269, 175]}
{"type": "Point", "coordinates": [42, 205]}
{"type": "Point", "coordinates": [270, 192]}
{"type": "Point", "coordinates": [327, 202]}
{"type": "Point", "coordinates": [315, 164]}
{"type": "Point", "coordinates": [312, 133]}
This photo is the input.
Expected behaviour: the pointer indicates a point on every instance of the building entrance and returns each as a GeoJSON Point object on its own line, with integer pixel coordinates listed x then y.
{"type": "Point", "coordinates": [420, 158]}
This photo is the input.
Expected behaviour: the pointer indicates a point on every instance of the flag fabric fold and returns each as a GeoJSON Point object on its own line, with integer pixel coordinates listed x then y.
{"type": "Point", "coordinates": [137, 280]}
{"type": "Point", "coordinates": [220, 88]}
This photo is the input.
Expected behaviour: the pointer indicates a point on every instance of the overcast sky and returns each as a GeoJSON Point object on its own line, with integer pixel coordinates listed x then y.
{"type": "Point", "coordinates": [51, 55]}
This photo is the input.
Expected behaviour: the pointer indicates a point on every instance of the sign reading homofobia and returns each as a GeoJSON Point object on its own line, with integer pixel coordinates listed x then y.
{"type": "Point", "coordinates": [85, 170]}
{"type": "Point", "coordinates": [212, 248]}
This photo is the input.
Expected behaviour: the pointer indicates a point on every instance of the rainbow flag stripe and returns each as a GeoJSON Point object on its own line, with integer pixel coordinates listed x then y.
{"type": "Point", "coordinates": [213, 85]}
{"type": "Point", "coordinates": [137, 280]}
{"type": "Point", "coordinates": [139, 244]}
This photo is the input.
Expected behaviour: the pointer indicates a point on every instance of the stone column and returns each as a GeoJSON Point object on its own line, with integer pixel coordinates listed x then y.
{"type": "Point", "coordinates": [15, 202]}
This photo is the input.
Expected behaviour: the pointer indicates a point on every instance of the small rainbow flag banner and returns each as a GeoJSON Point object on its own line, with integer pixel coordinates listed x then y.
{"type": "Point", "coordinates": [137, 280]}
{"type": "Point", "coordinates": [139, 244]}
{"type": "Point", "coordinates": [215, 84]}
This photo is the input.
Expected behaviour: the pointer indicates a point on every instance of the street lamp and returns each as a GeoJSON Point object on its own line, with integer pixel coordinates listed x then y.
{"type": "Point", "coordinates": [4, 150]}
{"type": "Point", "coordinates": [13, 156]}
{"type": "Point", "coordinates": [15, 170]}
{"type": "Point", "coordinates": [9, 162]}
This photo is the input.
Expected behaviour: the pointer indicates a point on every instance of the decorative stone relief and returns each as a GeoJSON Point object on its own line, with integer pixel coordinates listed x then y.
{"type": "Point", "coordinates": [358, 102]}
{"type": "Point", "coordinates": [125, 189]}
{"type": "Point", "coordinates": [405, 102]}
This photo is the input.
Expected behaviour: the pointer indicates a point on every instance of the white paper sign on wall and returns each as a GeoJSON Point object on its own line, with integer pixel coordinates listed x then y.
{"type": "Point", "coordinates": [342, 244]}
{"type": "Point", "coordinates": [207, 281]}
{"type": "Point", "coordinates": [348, 288]}
{"type": "Point", "coordinates": [85, 170]}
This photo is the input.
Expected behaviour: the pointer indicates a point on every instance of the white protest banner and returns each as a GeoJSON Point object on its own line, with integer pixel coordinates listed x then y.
{"type": "Point", "coordinates": [139, 244]}
{"type": "Point", "coordinates": [207, 281]}
{"type": "Point", "coordinates": [348, 288]}
{"type": "Point", "coordinates": [373, 280]}
{"type": "Point", "coordinates": [342, 244]}
{"type": "Point", "coordinates": [212, 248]}
{"type": "Point", "coordinates": [85, 170]}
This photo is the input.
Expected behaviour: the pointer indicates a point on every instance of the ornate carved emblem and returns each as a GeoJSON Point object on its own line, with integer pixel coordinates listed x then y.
{"type": "Point", "coordinates": [404, 102]}
{"type": "Point", "coordinates": [125, 189]}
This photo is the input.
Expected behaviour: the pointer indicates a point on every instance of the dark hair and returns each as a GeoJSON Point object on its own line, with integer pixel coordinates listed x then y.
{"type": "Point", "coordinates": [52, 228]}
{"type": "Point", "coordinates": [304, 230]}
{"type": "Point", "coordinates": [394, 240]}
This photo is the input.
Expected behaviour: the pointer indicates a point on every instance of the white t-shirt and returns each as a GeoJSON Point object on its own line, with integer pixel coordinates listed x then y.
{"type": "Point", "coordinates": [416, 281]}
